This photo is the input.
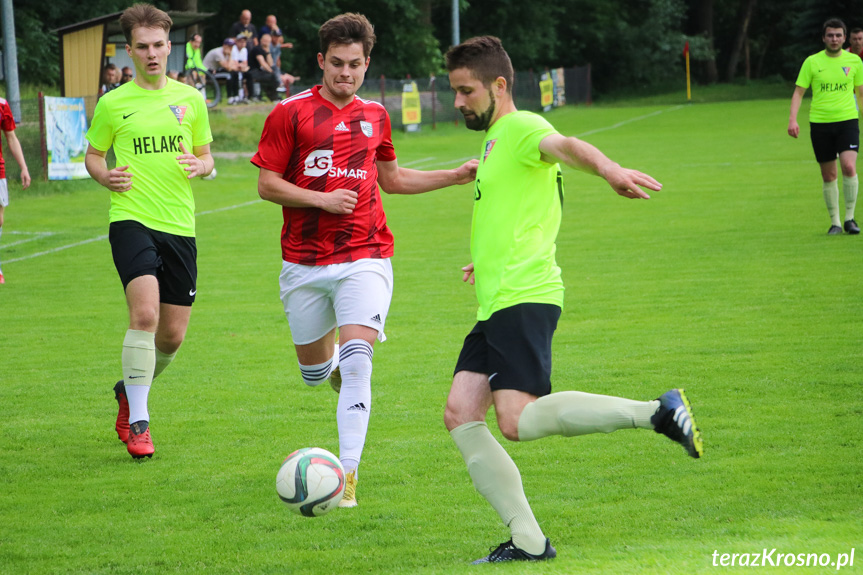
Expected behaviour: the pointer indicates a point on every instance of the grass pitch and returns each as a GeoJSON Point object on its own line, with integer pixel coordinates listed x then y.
{"type": "Point", "coordinates": [724, 283]}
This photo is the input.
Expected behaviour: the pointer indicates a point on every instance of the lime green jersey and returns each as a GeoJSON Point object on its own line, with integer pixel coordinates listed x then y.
{"type": "Point", "coordinates": [145, 127]}
{"type": "Point", "coordinates": [833, 81]}
{"type": "Point", "coordinates": [516, 217]}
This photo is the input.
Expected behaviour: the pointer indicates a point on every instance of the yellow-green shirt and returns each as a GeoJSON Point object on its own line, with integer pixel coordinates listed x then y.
{"type": "Point", "coordinates": [145, 128]}
{"type": "Point", "coordinates": [833, 81]}
{"type": "Point", "coordinates": [516, 217]}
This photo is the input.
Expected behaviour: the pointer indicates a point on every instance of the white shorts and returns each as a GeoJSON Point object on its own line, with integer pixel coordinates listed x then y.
{"type": "Point", "coordinates": [4, 193]}
{"type": "Point", "coordinates": [318, 299]}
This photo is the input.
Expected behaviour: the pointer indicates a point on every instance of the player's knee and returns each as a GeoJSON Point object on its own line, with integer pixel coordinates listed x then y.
{"type": "Point", "coordinates": [457, 414]}
{"type": "Point", "coordinates": [508, 428]}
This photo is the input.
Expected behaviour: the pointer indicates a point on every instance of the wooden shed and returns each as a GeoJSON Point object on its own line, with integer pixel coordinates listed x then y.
{"type": "Point", "coordinates": [86, 47]}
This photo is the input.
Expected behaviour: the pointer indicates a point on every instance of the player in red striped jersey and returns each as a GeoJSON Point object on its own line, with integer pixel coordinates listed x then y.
{"type": "Point", "coordinates": [322, 155]}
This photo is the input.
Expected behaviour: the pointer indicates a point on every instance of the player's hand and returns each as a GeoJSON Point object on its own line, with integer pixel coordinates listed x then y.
{"type": "Point", "coordinates": [793, 129]}
{"type": "Point", "coordinates": [627, 182]}
{"type": "Point", "coordinates": [119, 179]}
{"type": "Point", "coordinates": [194, 165]}
{"type": "Point", "coordinates": [468, 274]}
{"type": "Point", "coordinates": [340, 201]}
{"type": "Point", "coordinates": [25, 179]}
{"type": "Point", "coordinates": [466, 173]}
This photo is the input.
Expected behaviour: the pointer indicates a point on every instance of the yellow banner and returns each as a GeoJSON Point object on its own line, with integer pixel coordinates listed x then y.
{"type": "Point", "coordinates": [110, 50]}
{"type": "Point", "coordinates": [546, 91]}
{"type": "Point", "coordinates": [411, 109]}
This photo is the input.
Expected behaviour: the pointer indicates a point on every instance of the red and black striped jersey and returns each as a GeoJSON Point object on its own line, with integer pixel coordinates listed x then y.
{"type": "Point", "coordinates": [317, 146]}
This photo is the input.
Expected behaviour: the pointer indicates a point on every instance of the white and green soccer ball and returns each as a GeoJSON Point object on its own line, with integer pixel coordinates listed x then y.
{"type": "Point", "coordinates": [311, 481]}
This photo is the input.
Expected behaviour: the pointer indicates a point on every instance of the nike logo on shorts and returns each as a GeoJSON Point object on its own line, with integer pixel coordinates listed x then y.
{"type": "Point", "coordinates": [192, 292]}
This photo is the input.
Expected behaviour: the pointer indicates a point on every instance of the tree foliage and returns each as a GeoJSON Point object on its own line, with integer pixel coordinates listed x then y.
{"type": "Point", "coordinates": [630, 44]}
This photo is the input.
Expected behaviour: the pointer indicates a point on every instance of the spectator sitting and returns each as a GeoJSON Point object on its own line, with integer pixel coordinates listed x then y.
{"type": "Point", "coordinates": [193, 59]}
{"type": "Point", "coordinates": [283, 80]}
{"type": "Point", "coordinates": [244, 27]}
{"type": "Point", "coordinates": [261, 68]}
{"type": "Point", "coordinates": [173, 74]}
{"type": "Point", "coordinates": [127, 76]}
{"type": "Point", "coordinates": [219, 61]}
{"type": "Point", "coordinates": [110, 78]}
{"type": "Point", "coordinates": [240, 55]}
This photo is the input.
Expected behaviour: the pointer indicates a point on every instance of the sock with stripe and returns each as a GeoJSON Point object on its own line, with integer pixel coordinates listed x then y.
{"type": "Point", "coordinates": [355, 400]}
{"type": "Point", "coordinates": [314, 375]}
{"type": "Point", "coordinates": [571, 413]}
{"type": "Point", "coordinates": [496, 477]}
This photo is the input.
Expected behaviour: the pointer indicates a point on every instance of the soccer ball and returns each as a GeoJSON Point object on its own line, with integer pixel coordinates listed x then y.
{"type": "Point", "coordinates": [311, 481]}
{"type": "Point", "coordinates": [211, 175]}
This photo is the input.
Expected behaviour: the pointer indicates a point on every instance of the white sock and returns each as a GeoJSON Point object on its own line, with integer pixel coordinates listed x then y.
{"type": "Point", "coordinates": [314, 375]}
{"type": "Point", "coordinates": [849, 190]}
{"type": "Point", "coordinates": [831, 198]}
{"type": "Point", "coordinates": [139, 363]}
{"type": "Point", "coordinates": [163, 360]}
{"type": "Point", "coordinates": [355, 400]}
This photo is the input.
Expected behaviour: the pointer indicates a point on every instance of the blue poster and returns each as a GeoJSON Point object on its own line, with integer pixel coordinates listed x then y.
{"type": "Point", "coordinates": [66, 128]}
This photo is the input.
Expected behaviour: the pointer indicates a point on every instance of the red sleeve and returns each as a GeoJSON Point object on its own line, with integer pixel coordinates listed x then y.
{"type": "Point", "coordinates": [7, 123]}
{"type": "Point", "coordinates": [277, 141]}
{"type": "Point", "coordinates": [386, 152]}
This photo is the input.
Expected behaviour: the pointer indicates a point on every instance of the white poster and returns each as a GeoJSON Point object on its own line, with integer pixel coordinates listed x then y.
{"type": "Point", "coordinates": [66, 128]}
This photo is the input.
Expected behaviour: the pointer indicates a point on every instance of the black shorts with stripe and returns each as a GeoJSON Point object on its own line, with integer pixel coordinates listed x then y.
{"type": "Point", "coordinates": [513, 347]}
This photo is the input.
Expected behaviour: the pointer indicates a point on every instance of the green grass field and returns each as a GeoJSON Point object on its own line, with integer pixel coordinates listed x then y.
{"type": "Point", "coordinates": [725, 283]}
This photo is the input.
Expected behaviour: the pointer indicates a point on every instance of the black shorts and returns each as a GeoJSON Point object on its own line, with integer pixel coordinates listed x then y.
{"type": "Point", "coordinates": [513, 347]}
{"type": "Point", "coordinates": [830, 139]}
{"type": "Point", "coordinates": [139, 251]}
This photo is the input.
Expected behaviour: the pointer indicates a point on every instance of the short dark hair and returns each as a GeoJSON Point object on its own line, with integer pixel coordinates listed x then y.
{"type": "Point", "coordinates": [855, 31]}
{"type": "Point", "coordinates": [486, 59]}
{"type": "Point", "coordinates": [143, 16]}
{"type": "Point", "coordinates": [350, 28]}
{"type": "Point", "coordinates": [834, 23]}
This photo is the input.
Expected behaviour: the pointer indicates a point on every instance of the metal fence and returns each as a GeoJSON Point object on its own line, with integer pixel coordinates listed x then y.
{"type": "Point", "coordinates": [436, 100]}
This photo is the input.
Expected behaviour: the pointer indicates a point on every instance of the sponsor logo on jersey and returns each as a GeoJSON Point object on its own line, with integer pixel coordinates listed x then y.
{"type": "Point", "coordinates": [156, 144]}
{"type": "Point", "coordinates": [488, 146]}
{"type": "Point", "coordinates": [320, 162]}
{"type": "Point", "coordinates": [366, 127]}
{"type": "Point", "coordinates": [846, 69]}
{"type": "Point", "coordinates": [342, 128]}
{"type": "Point", "coordinates": [179, 112]}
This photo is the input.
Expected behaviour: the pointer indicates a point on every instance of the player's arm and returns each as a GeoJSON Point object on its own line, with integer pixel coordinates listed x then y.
{"type": "Point", "coordinates": [582, 156]}
{"type": "Point", "coordinates": [117, 180]}
{"type": "Point", "coordinates": [199, 163]}
{"type": "Point", "coordinates": [796, 101]}
{"type": "Point", "coordinates": [396, 180]}
{"type": "Point", "coordinates": [18, 154]}
{"type": "Point", "coordinates": [274, 188]}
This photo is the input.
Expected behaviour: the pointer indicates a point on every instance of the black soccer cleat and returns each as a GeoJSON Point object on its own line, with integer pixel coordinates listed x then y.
{"type": "Point", "coordinates": [509, 552]}
{"type": "Point", "coordinates": [851, 227]}
{"type": "Point", "coordinates": [834, 231]}
{"type": "Point", "coordinates": [674, 419]}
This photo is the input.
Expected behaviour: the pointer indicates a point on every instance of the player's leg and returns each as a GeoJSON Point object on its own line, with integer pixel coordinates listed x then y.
{"type": "Point", "coordinates": [494, 474]}
{"type": "Point", "coordinates": [4, 201]}
{"type": "Point", "coordinates": [824, 146]}
{"type": "Point", "coordinates": [362, 299]}
{"type": "Point", "coordinates": [848, 145]}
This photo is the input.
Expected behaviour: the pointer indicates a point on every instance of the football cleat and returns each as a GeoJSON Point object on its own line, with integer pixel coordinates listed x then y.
{"type": "Point", "coordinates": [140, 444]}
{"type": "Point", "coordinates": [834, 231]}
{"type": "Point", "coordinates": [674, 419]}
{"type": "Point", "coordinates": [851, 227]}
{"type": "Point", "coordinates": [349, 499]}
{"type": "Point", "coordinates": [122, 424]}
{"type": "Point", "coordinates": [509, 552]}
{"type": "Point", "coordinates": [336, 380]}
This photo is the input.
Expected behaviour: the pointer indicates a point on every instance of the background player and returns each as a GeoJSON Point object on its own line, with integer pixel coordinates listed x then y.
{"type": "Point", "coordinates": [322, 155]}
{"type": "Point", "coordinates": [834, 76]}
{"type": "Point", "coordinates": [506, 358]}
{"type": "Point", "coordinates": [7, 125]}
{"type": "Point", "coordinates": [151, 123]}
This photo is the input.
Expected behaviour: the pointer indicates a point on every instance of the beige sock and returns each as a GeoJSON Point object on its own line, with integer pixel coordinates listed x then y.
{"type": "Point", "coordinates": [849, 190]}
{"type": "Point", "coordinates": [496, 477]}
{"type": "Point", "coordinates": [163, 360]}
{"type": "Point", "coordinates": [571, 413]}
{"type": "Point", "coordinates": [831, 198]}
